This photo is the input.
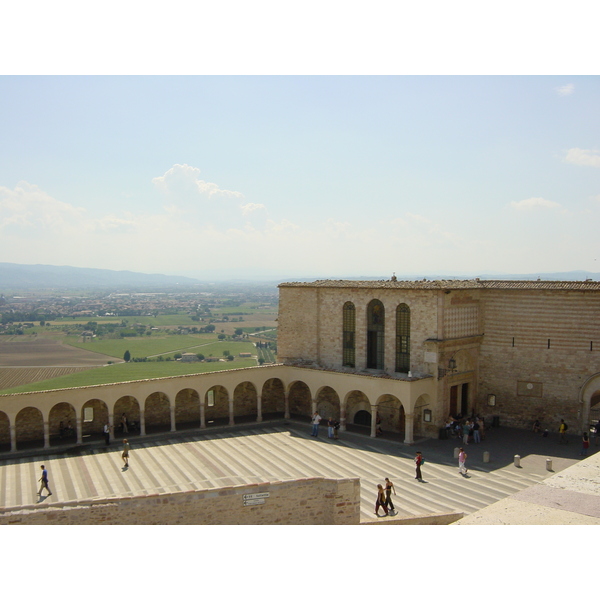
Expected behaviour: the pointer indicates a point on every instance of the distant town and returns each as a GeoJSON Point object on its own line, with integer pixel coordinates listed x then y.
{"type": "Point", "coordinates": [21, 311]}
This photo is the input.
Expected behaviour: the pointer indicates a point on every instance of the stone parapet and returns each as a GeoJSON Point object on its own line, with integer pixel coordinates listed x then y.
{"type": "Point", "coordinates": [309, 501]}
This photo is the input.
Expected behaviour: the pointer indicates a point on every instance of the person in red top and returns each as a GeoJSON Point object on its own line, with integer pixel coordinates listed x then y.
{"type": "Point", "coordinates": [585, 444]}
{"type": "Point", "coordinates": [418, 463]}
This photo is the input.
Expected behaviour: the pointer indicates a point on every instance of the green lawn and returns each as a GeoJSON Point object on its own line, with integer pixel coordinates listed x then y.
{"type": "Point", "coordinates": [129, 372]}
{"type": "Point", "coordinates": [142, 346]}
{"type": "Point", "coordinates": [217, 348]}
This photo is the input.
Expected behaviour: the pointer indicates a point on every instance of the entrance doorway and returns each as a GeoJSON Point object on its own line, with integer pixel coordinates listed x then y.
{"type": "Point", "coordinates": [459, 399]}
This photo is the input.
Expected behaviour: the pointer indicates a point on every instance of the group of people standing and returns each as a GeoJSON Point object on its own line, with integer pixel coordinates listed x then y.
{"type": "Point", "coordinates": [333, 426]}
{"type": "Point", "coordinates": [470, 430]}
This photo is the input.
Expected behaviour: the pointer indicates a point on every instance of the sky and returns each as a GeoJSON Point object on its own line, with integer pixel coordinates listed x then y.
{"type": "Point", "coordinates": [288, 176]}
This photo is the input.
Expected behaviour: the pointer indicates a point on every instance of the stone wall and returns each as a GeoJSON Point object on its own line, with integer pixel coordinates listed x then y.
{"type": "Point", "coordinates": [310, 501]}
{"type": "Point", "coordinates": [538, 350]}
{"type": "Point", "coordinates": [310, 324]}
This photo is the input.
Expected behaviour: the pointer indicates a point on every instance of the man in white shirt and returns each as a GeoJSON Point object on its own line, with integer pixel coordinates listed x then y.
{"type": "Point", "coordinates": [315, 424]}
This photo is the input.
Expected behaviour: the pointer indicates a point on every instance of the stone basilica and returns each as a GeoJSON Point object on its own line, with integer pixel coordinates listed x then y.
{"type": "Point", "coordinates": [510, 351]}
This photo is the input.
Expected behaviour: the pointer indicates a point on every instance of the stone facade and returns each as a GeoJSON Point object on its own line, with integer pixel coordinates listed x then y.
{"type": "Point", "coordinates": [533, 346]}
{"type": "Point", "coordinates": [310, 501]}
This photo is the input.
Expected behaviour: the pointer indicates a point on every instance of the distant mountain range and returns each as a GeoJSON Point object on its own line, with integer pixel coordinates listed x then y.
{"type": "Point", "coordinates": [28, 277]}
{"type": "Point", "coordinates": [51, 277]}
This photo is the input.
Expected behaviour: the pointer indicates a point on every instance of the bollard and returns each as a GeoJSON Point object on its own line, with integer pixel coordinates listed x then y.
{"type": "Point", "coordinates": [456, 451]}
{"type": "Point", "coordinates": [548, 464]}
{"type": "Point", "coordinates": [486, 457]}
{"type": "Point", "coordinates": [517, 460]}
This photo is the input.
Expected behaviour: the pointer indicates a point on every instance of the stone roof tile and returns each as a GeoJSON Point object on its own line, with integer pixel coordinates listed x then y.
{"type": "Point", "coordinates": [451, 284]}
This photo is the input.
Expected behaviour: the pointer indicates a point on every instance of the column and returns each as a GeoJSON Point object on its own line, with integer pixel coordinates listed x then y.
{"type": "Point", "coordinates": [79, 427]}
{"type": "Point", "coordinates": [286, 405]}
{"type": "Point", "coordinates": [373, 421]}
{"type": "Point", "coordinates": [314, 407]}
{"type": "Point", "coordinates": [409, 419]}
{"type": "Point", "coordinates": [231, 419]}
{"type": "Point", "coordinates": [111, 427]}
{"type": "Point", "coordinates": [172, 411]}
{"type": "Point", "coordinates": [343, 418]}
{"type": "Point", "coordinates": [259, 409]}
{"type": "Point", "coordinates": [142, 422]}
{"type": "Point", "coordinates": [13, 438]}
{"type": "Point", "coordinates": [46, 435]}
{"type": "Point", "coordinates": [202, 415]}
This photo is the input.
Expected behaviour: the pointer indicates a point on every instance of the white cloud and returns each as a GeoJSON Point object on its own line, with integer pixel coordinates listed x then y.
{"type": "Point", "coordinates": [586, 158]}
{"type": "Point", "coordinates": [28, 206]}
{"type": "Point", "coordinates": [565, 90]}
{"type": "Point", "coordinates": [251, 207]}
{"type": "Point", "coordinates": [534, 203]}
{"type": "Point", "coordinates": [182, 179]}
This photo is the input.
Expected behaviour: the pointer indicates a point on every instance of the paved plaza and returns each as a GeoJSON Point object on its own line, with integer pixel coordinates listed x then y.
{"type": "Point", "coordinates": [283, 450]}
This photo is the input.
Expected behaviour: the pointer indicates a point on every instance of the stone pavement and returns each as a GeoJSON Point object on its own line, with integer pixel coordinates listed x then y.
{"type": "Point", "coordinates": [281, 450]}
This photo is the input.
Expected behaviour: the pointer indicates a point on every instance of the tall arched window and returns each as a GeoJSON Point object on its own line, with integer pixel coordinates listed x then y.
{"type": "Point", "coordinates": [375, 335]}
{"type": "Point", "coordinates": [349, 329]}
{"type": "Point", "coordinates": [402, 338]}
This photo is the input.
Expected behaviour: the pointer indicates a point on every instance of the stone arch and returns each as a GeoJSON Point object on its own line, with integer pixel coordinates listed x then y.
{"type": "Point", "coordinates": [93, 428]}
{"type": "Point", "coordinates": [157, 413]}
{"type": "Point", "coordinates": [391, 412]}
{"type": "Point", "coordinates": [130, 407]}
{"type": "Point", "coordinates": [216, 402]}
{"type": "Point", "coordinates": [4, 432]}
{"type": "Point", "coordinates": [273, 399]}
{"type": "Point", "coordinates": [328, 403]}
{"type": "Point", "coordinates": [245, 401]}
{"type": "Point", "coordinates": [300, 400]}
{"type": "Point", "coordinates": [420, 427]}
{"type": "Point", "coordinates": [187, 409]}
{"type": "Point", "coordinates": [595, 407]}
{"type": "Point", "coordinates": [61, 414]}
{"type": "Point", "coordinates": [29, 428]}
{"type": "Point", "coordinates": [590, 397]}
{"type": "Point", "coordinates": [357, 402]}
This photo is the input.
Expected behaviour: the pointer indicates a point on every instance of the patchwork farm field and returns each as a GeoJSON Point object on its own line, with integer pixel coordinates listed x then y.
{"type": "Point", "coordinates": [39, 363]}
{"type": "Point", "coordinates": [13, 377]}
{"type": "Point", "coordinates": [128, 372]}
{"type": "Point", "coordinates": [146, 346]}
{"type": "Point", "coordinates": [38, 351]}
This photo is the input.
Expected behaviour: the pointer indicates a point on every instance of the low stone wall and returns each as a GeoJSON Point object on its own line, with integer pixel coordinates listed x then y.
{"type": "Point", "coordinates": [310, 501]}
{"type": "Point", "coordinates": [433, 519]}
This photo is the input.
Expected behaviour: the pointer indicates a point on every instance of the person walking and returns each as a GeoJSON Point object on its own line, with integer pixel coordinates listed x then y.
{"type": "Point", "coordinates": [562, 432]}
{"type": "Point", "coordinates": [462, 459]}
{"type": "Point", "coordinates": [597, 428]}
{"type": "Point", "coordinates": [316, 419]}
{"type": "Point", "coordinates": [585, 444]}
{"type": "Point", "coordinates": [380, 501]}
{"type": "Point", "coordinates": [106, 433]}
{"type": "Point", "coordinates": [125, 455]}
{"type": "Point", "coordinates": [124, 423]}
{"type": "Point", "coordinates": [418, 462]}
{"type": "Point", "coordinates": [476, 436]}
{"type": "Point", "coordinates": [44, 481]}
{"type": "Point", "coordinates": [389, 488]}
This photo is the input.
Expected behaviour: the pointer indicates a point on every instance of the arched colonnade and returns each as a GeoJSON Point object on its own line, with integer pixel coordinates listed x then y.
{"type": "Point", "coordinates": [199, 401]}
